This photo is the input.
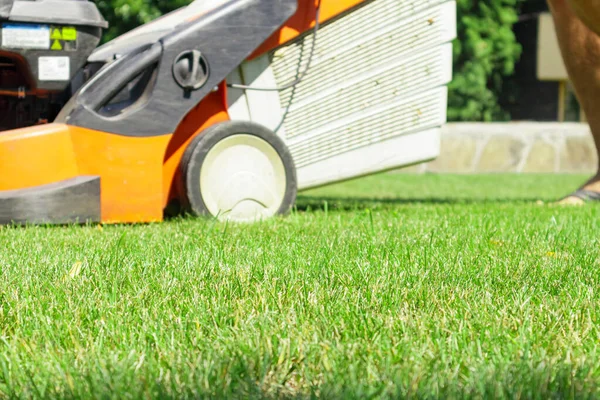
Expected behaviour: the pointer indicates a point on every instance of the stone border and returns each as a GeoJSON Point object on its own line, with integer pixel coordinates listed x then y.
{"type": "Point", "coordinates": [515, 147]}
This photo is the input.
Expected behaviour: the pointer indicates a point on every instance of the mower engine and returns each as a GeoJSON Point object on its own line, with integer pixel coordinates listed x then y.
{"type": "Point", "coordinates": [44, 46]}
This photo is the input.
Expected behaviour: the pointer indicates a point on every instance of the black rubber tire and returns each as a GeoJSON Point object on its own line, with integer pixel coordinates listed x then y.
{"type": "Point", "coordinates": [197, 150]}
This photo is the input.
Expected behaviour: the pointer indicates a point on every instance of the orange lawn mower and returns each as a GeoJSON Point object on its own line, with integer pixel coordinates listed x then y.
{"type": "Point", "coordinates": [227, 108]}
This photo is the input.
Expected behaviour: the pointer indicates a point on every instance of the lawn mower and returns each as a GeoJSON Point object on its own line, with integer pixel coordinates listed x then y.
{"type": "Point", "coordinates": [223, 108]}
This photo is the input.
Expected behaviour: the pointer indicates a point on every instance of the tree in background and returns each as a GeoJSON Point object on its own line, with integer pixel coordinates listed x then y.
{"type": "Point", "coordinates": [484, 54]}
{"type": "Point", "coordinates": [124, 15]}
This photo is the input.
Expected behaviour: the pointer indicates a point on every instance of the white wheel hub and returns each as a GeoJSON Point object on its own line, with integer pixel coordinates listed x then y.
{"type": "Point", "coordinates": [243, 179]}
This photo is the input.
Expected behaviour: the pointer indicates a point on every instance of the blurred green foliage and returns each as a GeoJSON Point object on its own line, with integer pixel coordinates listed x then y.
{"type": "Point", "coordinates": [124, 15]}
{"type": "Point", "coordinates": [484, 55]}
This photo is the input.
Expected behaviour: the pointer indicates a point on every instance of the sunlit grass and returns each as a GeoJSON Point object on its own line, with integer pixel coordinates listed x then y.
{"type": "Point", "coordinates": [393, 286]}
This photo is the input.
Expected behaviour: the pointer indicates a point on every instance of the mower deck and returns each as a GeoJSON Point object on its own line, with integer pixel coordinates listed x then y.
{"type": "Point", "coordinates": [74, 200]}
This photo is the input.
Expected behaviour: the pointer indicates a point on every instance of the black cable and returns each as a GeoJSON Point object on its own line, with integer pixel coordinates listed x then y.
{"type": "Point", "coordinates": [287, 109]}
{"type": "Point", "coordinates": [300, 77]}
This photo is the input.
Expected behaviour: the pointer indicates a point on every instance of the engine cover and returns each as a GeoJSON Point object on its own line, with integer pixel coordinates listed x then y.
{"type": "Point", "coordinates": [48, 41]}
{"type": "Point", "coordinates": [44, 45]}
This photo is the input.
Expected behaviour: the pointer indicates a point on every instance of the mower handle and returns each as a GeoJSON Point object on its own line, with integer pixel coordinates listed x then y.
{"type": "Point", "coordinates": [222, 47]}
{"type": "Point", "coordinates": [105, 85]}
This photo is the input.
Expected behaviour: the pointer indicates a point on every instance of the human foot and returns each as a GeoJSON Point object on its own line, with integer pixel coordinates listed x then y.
{"type": "Point", "coordinates": [589, 192]}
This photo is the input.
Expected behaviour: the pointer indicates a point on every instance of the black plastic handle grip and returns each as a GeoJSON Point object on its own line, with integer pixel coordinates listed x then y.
{"type": "Point", "coordinates": [105, 86]}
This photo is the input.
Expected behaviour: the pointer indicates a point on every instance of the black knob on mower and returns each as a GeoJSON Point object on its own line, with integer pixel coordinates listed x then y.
{"type": "Point", "coordinates": [190, 70]}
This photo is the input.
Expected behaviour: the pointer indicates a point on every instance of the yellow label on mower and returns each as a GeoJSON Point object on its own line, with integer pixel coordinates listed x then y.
{"type": "Point", "coordinates": [69, 33]}
{"type": "Point", "coordinates": [56, 34]}
{"type": "Point", "coordinates": [63, 38]}
{"type": "Point", "coordinates": [56, 45]}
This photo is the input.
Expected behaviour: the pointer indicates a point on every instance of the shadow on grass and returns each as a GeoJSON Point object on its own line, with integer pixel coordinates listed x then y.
{"type": "Point", "coordinates": [320, 203]}
{"type": "Point", "coordinates": [303, 204]}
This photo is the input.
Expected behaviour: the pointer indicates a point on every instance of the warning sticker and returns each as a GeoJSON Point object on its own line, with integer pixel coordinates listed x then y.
{"type": "Point", "coordinates": [69, 33]}
{"type": "Point", "coordinates": [54, 68]}
{"type": "Point", "coordinates": [63, 38]}
{"type": "Point", "coordinates": [56, 34]}
{"type": "Point", "coordinates": [17, 36]}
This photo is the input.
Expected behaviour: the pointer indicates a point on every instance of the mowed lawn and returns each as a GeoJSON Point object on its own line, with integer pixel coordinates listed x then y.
{"type": "Point", "coordinates": [386, 287]}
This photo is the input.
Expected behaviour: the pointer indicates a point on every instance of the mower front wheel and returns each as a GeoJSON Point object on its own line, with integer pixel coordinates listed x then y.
{"type": "Point", "coordinates": [238, 171]}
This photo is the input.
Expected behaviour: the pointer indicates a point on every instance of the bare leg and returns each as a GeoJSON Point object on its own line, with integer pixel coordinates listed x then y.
{"type": "Point", "coordinates": [580, 48]}
{"type": "Point", "coordinates": [588, 11]}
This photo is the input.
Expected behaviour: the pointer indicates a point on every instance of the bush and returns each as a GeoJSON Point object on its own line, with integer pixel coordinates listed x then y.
{"type": "Point", "coordinates": [124, 15]}
{"type": "Point", "coordinates": [485, 54]}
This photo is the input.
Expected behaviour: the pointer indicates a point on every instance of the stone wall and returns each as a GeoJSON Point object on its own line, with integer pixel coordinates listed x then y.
{"type": "Point", "coordinates": [522, 147]}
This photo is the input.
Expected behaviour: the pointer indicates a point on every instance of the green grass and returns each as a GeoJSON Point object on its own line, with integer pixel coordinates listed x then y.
{"type": "Point", "coordinates": [394, 286]}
